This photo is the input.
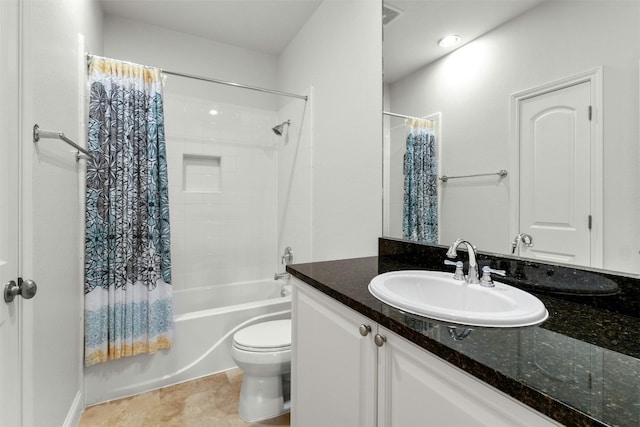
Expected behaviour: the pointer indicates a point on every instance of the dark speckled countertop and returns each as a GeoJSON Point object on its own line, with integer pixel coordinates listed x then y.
{"type": "Point", "coordinates": [581, 367]}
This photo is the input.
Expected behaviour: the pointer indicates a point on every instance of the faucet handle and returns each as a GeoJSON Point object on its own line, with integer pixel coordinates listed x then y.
{"type": "Point", "coordinates": [486, 280]}
{"type": "Point", "coordinates": [287, 257]}
{"type": "Point", "coordinates": [458, 274]}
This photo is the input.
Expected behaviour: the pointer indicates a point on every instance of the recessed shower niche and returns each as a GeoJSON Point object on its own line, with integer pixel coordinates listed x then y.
{"type": "Point", "coordinates": [201, 174]}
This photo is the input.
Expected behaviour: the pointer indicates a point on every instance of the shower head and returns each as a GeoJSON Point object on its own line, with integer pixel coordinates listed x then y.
{"type": "Point", "coordinates": [278, 129]}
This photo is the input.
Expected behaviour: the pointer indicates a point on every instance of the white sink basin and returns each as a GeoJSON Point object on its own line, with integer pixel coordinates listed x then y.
{"type": "Point", "coordinates": [439, 296]}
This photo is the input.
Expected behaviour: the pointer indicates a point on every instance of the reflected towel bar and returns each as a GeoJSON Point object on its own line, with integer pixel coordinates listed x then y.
{"type": "Point", "coordinates": [402, 116]}
{"type": "Point", "coordinates": [39, 133]}
{"type": "Point", "coordinates": [502, 173]}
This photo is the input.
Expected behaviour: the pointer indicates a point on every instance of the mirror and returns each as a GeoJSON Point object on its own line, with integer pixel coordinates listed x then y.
{"type": "Point", "coordinates": [509, 50]}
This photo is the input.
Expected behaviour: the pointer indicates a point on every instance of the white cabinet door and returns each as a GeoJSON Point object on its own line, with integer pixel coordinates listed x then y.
{"type": "Point", "coordinates": [333, 365]}
{"type": "Point", "coordinates": [418, 389]}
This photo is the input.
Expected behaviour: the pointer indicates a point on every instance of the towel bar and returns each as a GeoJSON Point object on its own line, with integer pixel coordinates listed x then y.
{"type": "Point", "coordinates": [501, 173]}
{"type": "Point", "coordinates": [39, 133]}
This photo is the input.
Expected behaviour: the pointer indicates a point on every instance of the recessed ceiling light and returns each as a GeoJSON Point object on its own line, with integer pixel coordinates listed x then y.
{"type": "Point", "coordinates": [213, 112]}
{"type": "Point", "coordinates": [448, 41]}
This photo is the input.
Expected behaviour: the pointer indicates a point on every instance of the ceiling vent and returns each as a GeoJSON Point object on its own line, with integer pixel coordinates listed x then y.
{"type": "Point", "coordinates": [389, 13]}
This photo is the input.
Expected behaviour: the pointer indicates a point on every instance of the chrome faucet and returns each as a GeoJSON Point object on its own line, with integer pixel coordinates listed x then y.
{"type": "Point", "coordinates": [472, 273]}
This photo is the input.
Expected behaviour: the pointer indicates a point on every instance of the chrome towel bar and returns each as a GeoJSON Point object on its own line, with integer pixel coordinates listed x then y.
{"type": "Point", "coordinates": [40, 133]}
{"type": "Point", "coordinates": [501, 173]}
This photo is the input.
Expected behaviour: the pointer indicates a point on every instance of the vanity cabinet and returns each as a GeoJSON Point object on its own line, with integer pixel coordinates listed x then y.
{"type": "Point", "coordinates": [349, 371]}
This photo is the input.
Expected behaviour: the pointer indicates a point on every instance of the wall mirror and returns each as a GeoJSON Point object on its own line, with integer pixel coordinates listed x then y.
{"type": "Point", "coordinates": [485, 95]}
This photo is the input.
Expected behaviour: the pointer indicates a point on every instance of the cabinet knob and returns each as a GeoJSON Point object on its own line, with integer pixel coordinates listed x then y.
{"type": "Point", "coordinates": [379, 340]}
{"type": "Point", "coordinates": [364, 330]}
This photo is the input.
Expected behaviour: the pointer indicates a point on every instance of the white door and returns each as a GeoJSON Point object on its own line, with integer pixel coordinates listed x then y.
{"type": "Point", "coordinates": [555, 175]}
{"type": "Point", "coordinates": [51, 88]}
{"type": "Point", "coordinates": [10, 385]}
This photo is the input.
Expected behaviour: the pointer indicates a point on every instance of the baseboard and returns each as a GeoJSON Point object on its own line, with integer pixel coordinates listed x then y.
{"type": "Point", "coordinates": [75, 412]}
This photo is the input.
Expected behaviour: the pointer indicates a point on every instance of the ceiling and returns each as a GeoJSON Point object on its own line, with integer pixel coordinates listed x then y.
{"type": "Point", "coordinates": [410, 41]}
{"type": "Point", "coordinates": [260, 25]}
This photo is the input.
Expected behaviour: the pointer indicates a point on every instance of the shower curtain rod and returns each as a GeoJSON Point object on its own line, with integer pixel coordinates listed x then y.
{"type": "Point", "coordinates": [224, 82]}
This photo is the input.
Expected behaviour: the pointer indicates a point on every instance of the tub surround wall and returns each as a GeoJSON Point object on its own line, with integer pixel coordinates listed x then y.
{"type": "Point", "coordinates": [581, 367]}
{"type": "Point", "coordinates": [222, 173]}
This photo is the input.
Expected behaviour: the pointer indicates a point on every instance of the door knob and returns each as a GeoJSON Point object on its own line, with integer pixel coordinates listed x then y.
{"type": "Point", "coordinates": [25, 288]}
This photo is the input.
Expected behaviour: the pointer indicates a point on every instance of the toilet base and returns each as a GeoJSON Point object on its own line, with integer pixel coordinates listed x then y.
{"type": "Point", "coordinates": [262, 398]}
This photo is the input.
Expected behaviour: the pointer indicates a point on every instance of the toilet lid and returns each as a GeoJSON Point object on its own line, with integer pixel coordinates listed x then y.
{"type": "Point", "coordinates": [267, 336]}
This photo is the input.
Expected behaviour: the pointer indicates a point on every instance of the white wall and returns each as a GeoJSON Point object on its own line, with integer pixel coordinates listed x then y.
{"type": "Point", "coordinates": [472, 88]}
{"type": "Point", "coordinates": [179, 52]}
{"type": "Point", "coordinates": [55, 37]}
{"type": "Point", "coordinates": [338, 53]}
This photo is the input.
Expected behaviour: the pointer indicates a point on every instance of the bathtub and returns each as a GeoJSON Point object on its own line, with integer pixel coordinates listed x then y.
{"type": "Point", "coordinates": [205, 320]}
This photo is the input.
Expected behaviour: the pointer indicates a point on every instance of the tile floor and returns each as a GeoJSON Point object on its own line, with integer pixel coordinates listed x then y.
{"type": "Point", "coordinates": [209, 401]}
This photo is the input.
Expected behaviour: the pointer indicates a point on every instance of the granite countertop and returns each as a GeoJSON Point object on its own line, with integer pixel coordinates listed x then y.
{"type": "Point", "coordinates": [581, 367]}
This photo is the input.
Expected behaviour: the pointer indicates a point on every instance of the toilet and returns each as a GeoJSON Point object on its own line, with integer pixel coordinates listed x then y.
{"type": "Point", "coordinates": [263, 353]}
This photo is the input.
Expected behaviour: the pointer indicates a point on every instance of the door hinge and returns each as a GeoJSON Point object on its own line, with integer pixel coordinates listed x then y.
{"type": "Point", "coordinates": [590, 112]}
{"type": "Point", "coordinates": [590, 221]}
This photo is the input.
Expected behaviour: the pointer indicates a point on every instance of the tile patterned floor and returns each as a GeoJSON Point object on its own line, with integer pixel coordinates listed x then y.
{"type": "Point", "coordinates": [209, 401]}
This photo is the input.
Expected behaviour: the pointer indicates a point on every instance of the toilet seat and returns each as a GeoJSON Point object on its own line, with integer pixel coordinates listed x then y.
{"type": "Point", "coordinates": [270, 336]}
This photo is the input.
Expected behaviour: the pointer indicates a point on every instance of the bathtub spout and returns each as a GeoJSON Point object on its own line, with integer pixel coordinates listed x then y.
{"type": "Point", "coordinates": [282, 276]}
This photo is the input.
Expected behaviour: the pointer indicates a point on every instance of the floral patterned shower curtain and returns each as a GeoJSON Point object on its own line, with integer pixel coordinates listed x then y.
{"type": "Point", "coordinates": [128, 294]}
{"type": "Point", "coordinates": [420, 209]}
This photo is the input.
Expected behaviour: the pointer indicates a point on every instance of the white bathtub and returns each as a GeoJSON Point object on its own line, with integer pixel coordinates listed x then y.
{"type": "Point", "coordinates": [205, 320]}
{"type": "Point", "coordinates": [225, 297]}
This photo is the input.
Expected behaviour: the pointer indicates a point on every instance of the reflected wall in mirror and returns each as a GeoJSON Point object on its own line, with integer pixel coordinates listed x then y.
{"type": "Point", "coordinates": [477, 89]}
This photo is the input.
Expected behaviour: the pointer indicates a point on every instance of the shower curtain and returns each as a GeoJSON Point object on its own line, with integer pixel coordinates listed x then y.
{"type": "Point", "coordinates": [128, 294]}
{"type": "Point", "coordinates": [420, 204]}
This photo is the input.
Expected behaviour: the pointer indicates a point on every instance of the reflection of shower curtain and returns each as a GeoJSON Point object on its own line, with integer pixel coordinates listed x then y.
{"type": "Point", "coordinates": [128, 296]}
{"type": "Point", "coordinates": [420, 216]}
